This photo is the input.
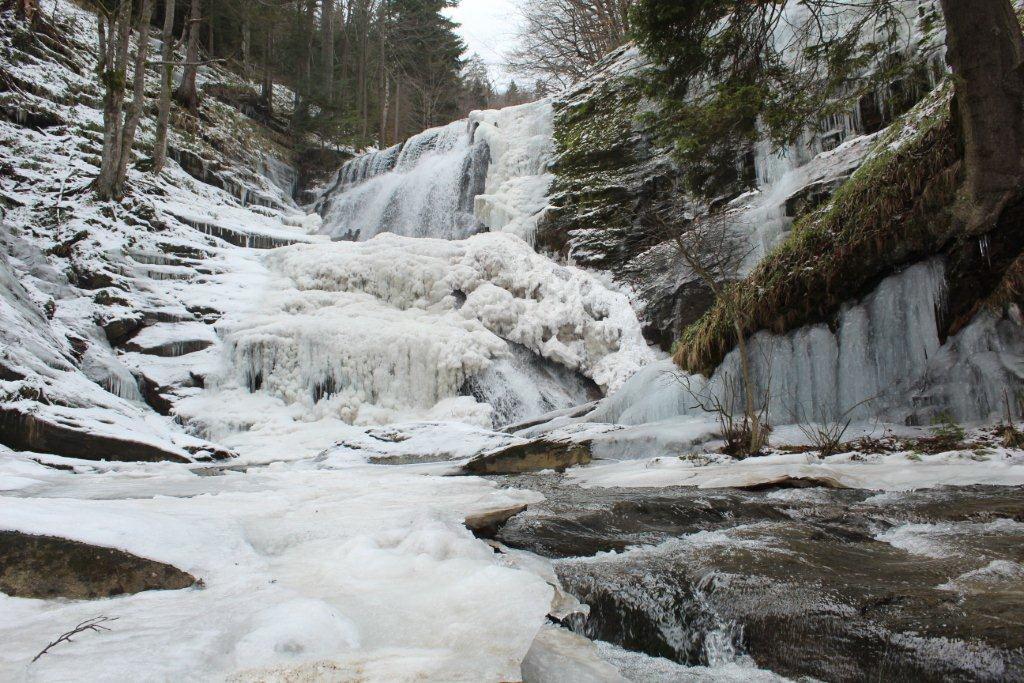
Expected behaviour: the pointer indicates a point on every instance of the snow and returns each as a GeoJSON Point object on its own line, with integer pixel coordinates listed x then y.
{"type": "Point", "coordinates": [361, 566]}
{"type": "Point", "coordinates": [881, 472]}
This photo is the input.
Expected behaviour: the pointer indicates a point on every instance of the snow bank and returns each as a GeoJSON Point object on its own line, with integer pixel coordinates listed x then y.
{"type": "Point", "coordinates": [892, 472]}
{"type": "Point", "coordinates": [362, 569]}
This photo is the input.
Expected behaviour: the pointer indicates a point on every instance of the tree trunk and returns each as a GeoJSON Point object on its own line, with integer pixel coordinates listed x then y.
{"type": "Point", "coordinates": [398, 109]}
{"type": "Point", "coordinates": [985, 50]}
{"type": "Point", "coordinates": [751, 410]}
{"type": "Point", "coordinates": [186, 94]}
{"type": "Point", "coordinates": [134, 113]}
{"type": "Point", "coordinates": [25, 10]}
{"type": "Point", "coordinates": [268, 77]}
{"type": "Point", "coordinates": [166, 77]}
{"type": "Point", "coordinates": [246, 42]}
{"type": "Point", "coordinates": [209, 37]}
{"type": "Point", "coordinates": [114, 38]}
{"type": "Point", "coordinates": [327, 56]}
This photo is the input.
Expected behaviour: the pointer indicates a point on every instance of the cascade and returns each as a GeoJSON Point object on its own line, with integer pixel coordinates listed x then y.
{"type": "Point", "coordinates": [486, 172]}
{"type": "Point", "coordinates": [522, 386]}
{"type": "Point", "coordinates": [395, 326]}
{"type": "Point", "coordinates": [422, 188]}
{"type": "Point", "coordinates": [403, 328]}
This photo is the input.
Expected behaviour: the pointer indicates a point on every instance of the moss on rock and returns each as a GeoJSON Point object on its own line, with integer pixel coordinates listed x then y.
{"type": "Point", "coordinates": [896, 210]}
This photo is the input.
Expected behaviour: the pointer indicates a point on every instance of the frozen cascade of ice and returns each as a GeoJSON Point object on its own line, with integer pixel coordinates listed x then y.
{"type": "Point", "coordinates": [486, 317]}
{"type": "Point", "coordinates": [883, 357]}
{"type": "Point", "coordinates": [396, 327]}
{"type": "Point", "coordinates": [523, 386]}
{"type": "Point", "coordinates": [487, 171]}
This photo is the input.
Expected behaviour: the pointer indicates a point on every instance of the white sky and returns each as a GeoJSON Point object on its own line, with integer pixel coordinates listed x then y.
{"type": "Point", "coordinates": [488, 28]}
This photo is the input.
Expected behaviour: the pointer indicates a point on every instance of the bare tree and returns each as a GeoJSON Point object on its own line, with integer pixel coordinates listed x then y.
{"type": "Point", "coordinates": [561, 39]}
{"type": "Point", "coordinates": [714, 251]}
{"type": "Point", "coordinates": [119, 128]}
{"type": "Point", "coordinates": [327, 49]}
{"type": "Point", "coordinates": [166, 76]}
{"type": "Point", "coordinates": [186, 94]}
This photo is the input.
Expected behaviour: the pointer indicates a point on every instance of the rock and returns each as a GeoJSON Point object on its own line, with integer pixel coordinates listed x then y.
{"type": "Point", "coordinates": [531, 456]}
{"type": "Point", "coordinates": [119, 328]}
{"type": "Point", "coordinates": [46, 567]}
{"type": "Point", "coordinates": [24, 431]}
{"type": "Point", "coordinates": [806, 585]}
{"type": "Point", "coordinates": [785, 481]}
{"type": "Point", "coordinates": [561, 655]}
{"type": "Point", "coordinates": [487, 524]}
{"type": "Point", "coordinates": [170, 349]}
{"type": "Point", "coordinates": [155, 395]}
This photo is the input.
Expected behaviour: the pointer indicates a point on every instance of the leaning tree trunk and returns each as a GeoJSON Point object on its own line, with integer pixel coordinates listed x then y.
{"type": "Point", "coordinates": [985, 50]}
{"type": "Point", "coordinates": [186, 94]}
{"type": "Point", "coordinates": [134, 114]}
{"type": "Point", "coordinates": [166, 77]}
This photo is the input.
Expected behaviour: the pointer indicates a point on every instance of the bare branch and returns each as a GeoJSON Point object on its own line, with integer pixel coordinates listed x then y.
{"type": "Point", "coordinates": [95, 625]}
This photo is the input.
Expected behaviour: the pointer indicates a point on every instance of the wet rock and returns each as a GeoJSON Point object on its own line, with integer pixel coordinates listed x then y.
{"type": "Point", "coordinates": [9, 374]}
{"type": "Point", "coordinates": [21, 430]}
{"type": "Point", "coordinates": [532, 456]}
{"type": "Point", "coordinates": [170, 349]}
{"type": "Point", "coordinates": [837, 585]}
{"type": "Point", "coordinates": [46, 567]}
{"type": "Point", "coordinates": [784, 481]}
{"type": "Point", "coordinates": [487, 524]}
{"type": "Point", "coordinates": [154, 394]}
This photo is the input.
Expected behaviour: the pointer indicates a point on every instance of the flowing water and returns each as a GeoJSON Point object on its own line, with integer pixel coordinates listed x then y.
{"type": "Point", "coordinates": [833, 584]}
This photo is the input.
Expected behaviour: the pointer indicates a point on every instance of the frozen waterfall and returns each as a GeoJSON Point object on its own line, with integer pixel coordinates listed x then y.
{"type": "Point", "coordinates": [482, 330]}
{"type": "Point", "coordinates": [487, 172]}
{"type": "Point", "coordinates": [881, 357]}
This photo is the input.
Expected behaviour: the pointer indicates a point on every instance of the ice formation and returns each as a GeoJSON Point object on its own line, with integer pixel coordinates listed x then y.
{"type": "Point", "coordinates": [488, 171]}
{"type": "Point", "coordinates": [403, 324]}
{"type": "Point", "coordinates": [882, 357]}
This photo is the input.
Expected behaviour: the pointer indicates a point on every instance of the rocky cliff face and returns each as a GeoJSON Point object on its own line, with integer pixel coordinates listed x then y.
{"type": "Point", "coordinates": [613, 167]}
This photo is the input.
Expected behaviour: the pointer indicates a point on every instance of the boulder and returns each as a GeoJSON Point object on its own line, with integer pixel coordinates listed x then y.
{"type": "Point", "coordinates": [25, 431]}
{"type": "Point", "coordinates": [532, 456]}
{"type": "Point", "coordinates": [47, 567]}
{"type": "Point", "coordinates": [487, 524]}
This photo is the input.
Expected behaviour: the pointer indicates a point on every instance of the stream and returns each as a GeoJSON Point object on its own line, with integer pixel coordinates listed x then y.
{"type": "Point", "coordinates": [837, 585]}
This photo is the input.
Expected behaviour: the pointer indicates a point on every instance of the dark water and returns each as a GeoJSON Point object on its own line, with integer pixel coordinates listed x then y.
{"type": "Point", "coordinates": [834, 585]}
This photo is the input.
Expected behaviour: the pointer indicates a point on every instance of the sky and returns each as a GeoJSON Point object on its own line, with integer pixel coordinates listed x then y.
{"type": "Point", "coordinates": [488, 27]}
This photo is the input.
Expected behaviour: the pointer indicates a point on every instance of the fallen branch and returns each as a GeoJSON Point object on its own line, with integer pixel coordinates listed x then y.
{"type": "Point", "coordinates": [95, 625]}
